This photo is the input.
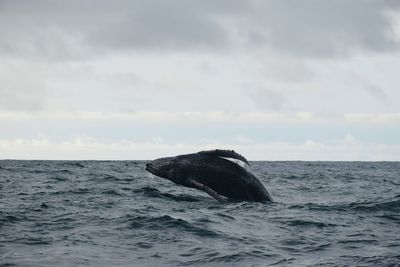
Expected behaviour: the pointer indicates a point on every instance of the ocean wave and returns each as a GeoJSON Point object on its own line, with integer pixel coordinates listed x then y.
{"type": "Point", "coordinates": [109, 177]}
{"type": "Point", "coordinates": [167, 222]}
{"type": "Point", "coordinates": [7, 218]}
{"type": "Point", "coordinates": [215, 257]}
{"type": "Point", "coordinates": [34, 240]}
{"type": "Point", "coordinates": [62, 171]}
{"type": "Point", "coordinates": [113, 192]}
{"type": "Point", "coordinates": [74, 164]}
{"type": "Point", "coordinates": [78, 191]}
{"type": "Point", "coordinates": [58, 178]}
{"type": "Point", "coordinates": [378, 260]}
{"type": "Point", "coordinates": [305, 223]}
{"type": "Point", "coordinates": [391, 204]}
{"type": "Point", "coordinates": [392, 217]}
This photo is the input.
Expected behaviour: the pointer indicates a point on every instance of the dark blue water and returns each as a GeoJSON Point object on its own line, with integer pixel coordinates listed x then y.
{"type": "Point", "coordinates": [113, 213]}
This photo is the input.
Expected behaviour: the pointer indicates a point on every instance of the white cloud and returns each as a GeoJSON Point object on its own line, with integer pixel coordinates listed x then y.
{"type": "Point", "coordinates": [347, 148]}
{"type": "Point", "coordinates": [142, 135]}
{"type": "Point", "coordinates": [212, 116]}
{"type": "Point", "coordinates": [369, 118]}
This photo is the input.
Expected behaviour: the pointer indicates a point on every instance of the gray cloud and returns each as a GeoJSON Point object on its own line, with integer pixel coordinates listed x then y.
{"type": "Point", "coordinates": [375, 91]}
{"type": "Point", "coordinates": [21, 89]}
{"type": "Point", "coordinates": [323, 28]}
{"type": "Point", "coordinates": [268, 99]}
{"type": "Point", "coordinates": [310, 28]}
{"type": "Point", "coordinates": [59, 29]}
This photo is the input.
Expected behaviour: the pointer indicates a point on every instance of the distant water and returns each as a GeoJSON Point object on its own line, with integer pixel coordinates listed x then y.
{"type": "Point", "coordinates": [114, 213]}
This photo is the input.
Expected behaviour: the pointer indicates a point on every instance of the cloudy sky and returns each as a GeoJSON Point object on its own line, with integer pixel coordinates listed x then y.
{"type": "Point", "coordinates": [272, 79]}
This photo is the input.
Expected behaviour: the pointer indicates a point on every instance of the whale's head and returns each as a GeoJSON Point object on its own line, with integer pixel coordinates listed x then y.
{"type": "Point", "coordinates": [165, 167]}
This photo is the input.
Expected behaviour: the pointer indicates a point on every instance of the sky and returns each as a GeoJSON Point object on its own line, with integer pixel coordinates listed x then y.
{"type": "Point", "coordinates": [271, 79]}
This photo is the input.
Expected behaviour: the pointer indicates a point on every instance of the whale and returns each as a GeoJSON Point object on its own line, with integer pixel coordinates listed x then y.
{"type": "Point", "coordinates": [212, 172]}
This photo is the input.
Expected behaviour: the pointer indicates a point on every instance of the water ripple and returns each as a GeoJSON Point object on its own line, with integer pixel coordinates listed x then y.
{"type": "Point", "coordinates": [112, 213]}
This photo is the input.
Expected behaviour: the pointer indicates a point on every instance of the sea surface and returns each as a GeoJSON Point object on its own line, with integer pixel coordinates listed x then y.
{"type": "Point", "coordinates": [114, 213]}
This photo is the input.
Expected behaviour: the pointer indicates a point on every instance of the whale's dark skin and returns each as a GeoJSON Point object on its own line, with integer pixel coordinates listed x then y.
{"type": "Point", "coordinates": [208, 171]}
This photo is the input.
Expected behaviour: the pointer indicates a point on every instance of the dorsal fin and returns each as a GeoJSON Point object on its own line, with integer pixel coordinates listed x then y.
{"type": "Point", "coordinates": [225, 154]}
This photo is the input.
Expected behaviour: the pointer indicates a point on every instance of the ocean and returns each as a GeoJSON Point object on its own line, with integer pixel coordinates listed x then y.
{"type": "Point", "coordinates": [114, 213]}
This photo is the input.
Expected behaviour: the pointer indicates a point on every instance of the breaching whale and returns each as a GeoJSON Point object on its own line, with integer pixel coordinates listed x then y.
{"type": "Point", "coordinates": [210, 172]}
